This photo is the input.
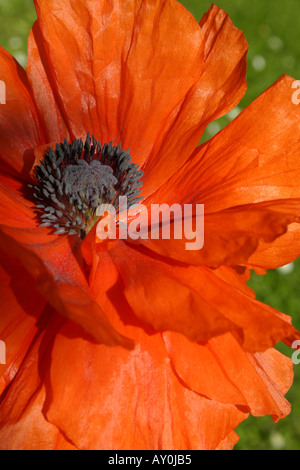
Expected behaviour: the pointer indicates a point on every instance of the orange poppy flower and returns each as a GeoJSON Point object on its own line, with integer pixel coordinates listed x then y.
{"type": "Point", "coordinates": [144, 345]}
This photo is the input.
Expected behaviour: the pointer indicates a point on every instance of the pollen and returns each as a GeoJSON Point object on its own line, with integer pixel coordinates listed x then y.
{"type": "Point", "coordinates": [76, 178]}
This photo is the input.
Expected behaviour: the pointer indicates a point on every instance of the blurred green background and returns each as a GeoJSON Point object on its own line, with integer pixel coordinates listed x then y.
{"type": "Point", "coordinates": [272, 31]}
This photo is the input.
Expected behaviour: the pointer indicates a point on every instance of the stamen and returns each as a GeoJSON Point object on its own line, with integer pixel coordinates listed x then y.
{"type": "Point", "coordinates": [76, 178]}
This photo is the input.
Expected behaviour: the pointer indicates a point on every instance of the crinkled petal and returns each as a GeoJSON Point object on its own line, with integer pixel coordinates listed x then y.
{"type": "Point", "coordinates": [253, 159]}
{"type": "Point", "coordinates": [230, 236]}
{"type": "Point", "coordinates": [283, 250]}
{"type": "Point", "coordinates": [39, 75]}
{"type": "Point", "coordinates": [131, 400]}
{"type": "Point", "coordinates": [133, 50]}
{"type": "Point", "coordinates": [220, 87]}
{"type": "Point", "coordinates": [257, 381]}
{"type": "Point", "coordinates": [229, 442]}
{"type": "Point", "coordinates": [55, 264]}
{"type": "Point", "coordinates": [19, 315]}
{"type": "Point", "coordinates": [93, 52]}
{"type": "Point", "coordinates": [158, 294]}
{"type": "Point", "coordinates": [195, 301]}
{"type": "Point", "coordinates": [23, 425]}
{"type": "Point", "coordinates": [20, 129]}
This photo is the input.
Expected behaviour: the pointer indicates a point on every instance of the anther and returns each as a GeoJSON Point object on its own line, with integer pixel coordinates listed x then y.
{"type": "Point", "coordinates": [74, 179]}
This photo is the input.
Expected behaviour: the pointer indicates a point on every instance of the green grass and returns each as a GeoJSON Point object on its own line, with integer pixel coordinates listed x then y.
{"type": "Point", "coordinates": [272, 31]}
{"type": "Point", "coordinates": [16, 17]}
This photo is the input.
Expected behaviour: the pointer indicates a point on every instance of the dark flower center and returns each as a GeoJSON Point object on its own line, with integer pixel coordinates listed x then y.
{"type": "Point", "coordinates": [75, 179]}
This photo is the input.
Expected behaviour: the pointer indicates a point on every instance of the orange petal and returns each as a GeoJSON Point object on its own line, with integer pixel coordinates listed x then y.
{"type": "Point", "coordinates": [220, 87]}
{"type": "Point", "coordinates": [40, 77]}
{"type": "Point", "coordinates": [56, 265]}
{"type": "Point", "coordinates": [130, 400]}
{"type": "Point", "coordinates": [201, 370]}
{"type": "Point", "coordinates": [15, 210]}
{"type": "Point", "coordinates": [98, 51]}
{"type": "Point", "coordinates": [9, 181]}
{"type": "Point", "coordinates": [231, 235]}
{"type": "Point", "coordinates": [254, 159]}
{"type": "Point", "coordinates": [229, 442]}
{"type": "Point", "coordinates": [283, 250]}
{"type": "Point", "coordinates": [237, 277]}
{"type": "Point", "coordinates": [133, 398]}
{"type": "Point", "coordinates": [257, 381]}
{"type": "Point", "coordinates": [259, 326]}
{"type": "Point", "coordinates": [23, 425]}
{"type": "Point", "coordinates": [262, 325]}
{"type": "Point", "coordinates": [158, 294]}
{"type": "Point", "coordinates": [19, 315]}
{"type": "Point", "coordinates": [195, 301]}
{"type": "Point", "coordinates": [276, 370]}
{"type": "Point", "coordinates": [20, 130]}
{"type": "Point", "coordinates": [31, 431]}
